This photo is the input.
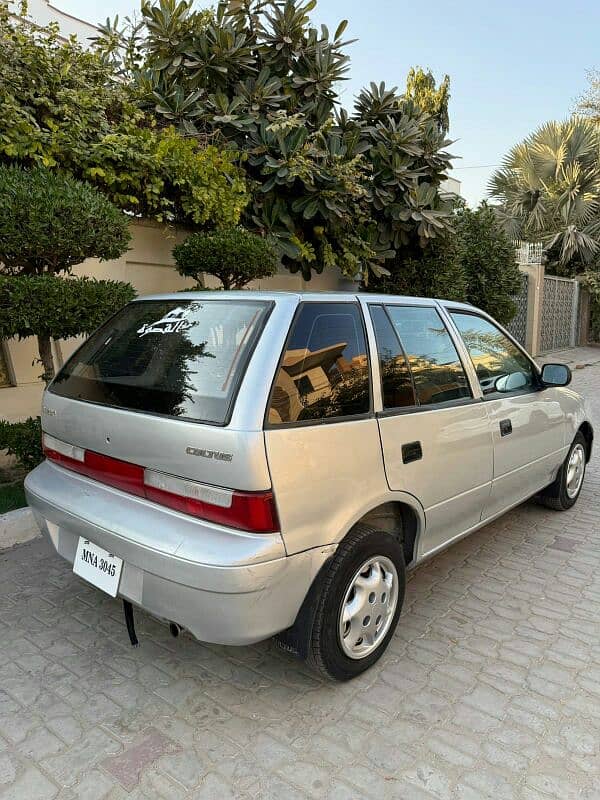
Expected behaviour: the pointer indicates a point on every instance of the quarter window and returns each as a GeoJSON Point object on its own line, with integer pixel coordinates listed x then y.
{"type": "Point", "coordinates": [396, 383]}
{"type": "Point", "coordinates": [499, 363]}
{"type": "Point", "coordinates": [324, 372]}
{"type": "Point", "coordinates": [436, 368]}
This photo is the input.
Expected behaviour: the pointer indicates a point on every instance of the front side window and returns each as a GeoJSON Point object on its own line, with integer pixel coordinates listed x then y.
{"type": "Point", "coordinates": [498, 362]}
{"type": "Point", "coordinates": [324, 372]}
{"type": "Point", "coordinates": [436, 368]}
{"type": "Point", "coordinates": [181, 358]}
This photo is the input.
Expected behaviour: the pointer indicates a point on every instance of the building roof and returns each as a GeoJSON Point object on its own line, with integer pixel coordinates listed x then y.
{"type": "Point", "coordinates": [42, 12]}
{"type": "Point", "coordinates": [297, 361]}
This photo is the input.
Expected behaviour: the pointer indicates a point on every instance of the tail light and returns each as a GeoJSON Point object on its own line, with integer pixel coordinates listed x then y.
{"type": "Point", "coordinates": [248, 511]}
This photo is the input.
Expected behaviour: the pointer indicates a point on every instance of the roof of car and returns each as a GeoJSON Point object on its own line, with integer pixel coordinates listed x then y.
{"type": "Point", "coordinates": [300, 297]}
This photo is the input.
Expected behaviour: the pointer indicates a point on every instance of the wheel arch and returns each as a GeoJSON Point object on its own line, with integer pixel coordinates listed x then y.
{"type": "Point", "coordinates": [396, 517]}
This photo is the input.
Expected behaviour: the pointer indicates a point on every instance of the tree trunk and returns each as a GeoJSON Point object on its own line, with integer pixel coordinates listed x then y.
{"type": "Point", "coordinates": [45, 348]}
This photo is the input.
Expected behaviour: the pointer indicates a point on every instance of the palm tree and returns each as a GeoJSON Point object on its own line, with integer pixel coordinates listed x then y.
{"type": "Point", "coordinates": [549, 191]}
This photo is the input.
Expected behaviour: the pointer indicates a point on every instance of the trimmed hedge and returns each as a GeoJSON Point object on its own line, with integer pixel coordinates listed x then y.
{"type": "Point", "coordinates": [23, 440]}
{"type": "Point", "coordinates": [34, 305]}
{"type": "Point", "coordinates": [234, 256]}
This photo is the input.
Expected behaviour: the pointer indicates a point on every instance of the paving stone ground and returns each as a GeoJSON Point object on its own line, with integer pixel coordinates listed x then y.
{"type": "Point", "coordinates": [490, 688]}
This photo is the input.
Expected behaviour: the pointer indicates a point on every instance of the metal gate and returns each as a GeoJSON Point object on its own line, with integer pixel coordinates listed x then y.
{"type": "Point", "coordinates": [560, 313]}
{"type": "Point", "coordinates": [518, 324]}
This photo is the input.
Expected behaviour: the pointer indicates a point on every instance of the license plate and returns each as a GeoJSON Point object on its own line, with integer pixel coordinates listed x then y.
{"type": "Point", "coordinates": [98, 566]}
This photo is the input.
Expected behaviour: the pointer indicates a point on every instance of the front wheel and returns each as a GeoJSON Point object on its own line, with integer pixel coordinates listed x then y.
{"type": "Point", "coordinates": [359, 604]}
{"type": "Point", "coordinates": [563, 493]}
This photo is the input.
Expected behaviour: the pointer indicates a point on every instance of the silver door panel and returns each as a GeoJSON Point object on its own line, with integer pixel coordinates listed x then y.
{"type": "Point", "coordinates": [526, 459]}
{"type": "Point", "coordinates": [517, 486]}
{"type": "Point", "coordinates": [446, 520]}
{"type": "Point", "coordinates": [452, 480]}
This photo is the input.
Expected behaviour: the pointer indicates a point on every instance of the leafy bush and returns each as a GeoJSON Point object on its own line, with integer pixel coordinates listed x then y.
{"type": "Point", "coordinates": [435, 271]}
{"type": "Point", "coordinates": [49, 222]}
{"type": "Point", "coordinates": [23, 440]}
{"type": "Point", "coordinates": [65, 107]}
{"type": "Point", "coordinates": [476, 263]}
{"type": "Point", "coordinates": [234, 256]}
{"type": "Point", "coordinates": [12, 496]}
{"type": "Point", "coordinates": [590, 280]}
{"type": "Point", "coordinates": [57, 308]}
{"type": "Point", "coordinates": [488, 258]}
{"type": "Point", "coordinates": [162, 175]}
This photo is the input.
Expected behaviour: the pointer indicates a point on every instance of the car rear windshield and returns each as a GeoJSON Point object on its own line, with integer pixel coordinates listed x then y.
{"type": "Point", "coordinates": [181, 358]}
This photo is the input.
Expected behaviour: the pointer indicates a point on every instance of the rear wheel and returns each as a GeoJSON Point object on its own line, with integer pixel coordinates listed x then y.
{"type": "Point", "coordinates": [563, 493]}
{"type": "Point", "coordinates": [358, 606]}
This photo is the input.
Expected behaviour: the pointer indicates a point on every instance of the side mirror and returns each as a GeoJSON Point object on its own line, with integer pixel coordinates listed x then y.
{"type": "Point", "coordinates": [556, 375]}
{"type": "Point", "coordinates": [511, 382]}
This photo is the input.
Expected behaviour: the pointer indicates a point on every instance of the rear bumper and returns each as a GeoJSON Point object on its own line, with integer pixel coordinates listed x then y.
{"type": "Point", "coordinates": [224, 586]}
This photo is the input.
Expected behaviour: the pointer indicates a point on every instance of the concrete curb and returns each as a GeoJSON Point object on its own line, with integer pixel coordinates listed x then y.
{"type": "Point", "coordinates": [17, 527]}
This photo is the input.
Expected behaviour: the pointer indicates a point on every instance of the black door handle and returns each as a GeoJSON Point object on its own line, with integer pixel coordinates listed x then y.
{"type": "Point", "coordinates": [505, 427]}
{"type": "Point", "coordinates": [411, 452]}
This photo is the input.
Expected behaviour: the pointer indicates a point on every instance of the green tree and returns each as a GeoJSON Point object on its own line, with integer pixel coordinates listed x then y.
{"type": "Point", "coordinates": [421, 88]}
{"type": "Point", "coordinates": [257, 76]}
{"type": "Point", "coordinates": [405, 149]}
{"type": "Point", "coordinates": [589, 102]}
{"type": "Point", "coordinates": [62, 106]}
{"type": "Point", "coordinates": [433, 271]}
{"type": "Point", "coordinates": [488, 259]}
{"type": "Point", "coordinates": [49, 222]}
{"type": "Point", "coordinates": [549, 190]}
{"type": "Point", "coordinates": [475, 262]}
{"type": "Point", "coordinates": [591, 281]}
{"type": "Point", "coordinates": [234, 256]}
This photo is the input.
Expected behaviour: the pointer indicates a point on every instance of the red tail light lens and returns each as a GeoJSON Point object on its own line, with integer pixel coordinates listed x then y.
{"type": "Point", "coordinates": [249, 511]}
{"type": "Point", "coordinates": [120, 474]}
{"type": "Point", "coordinates": [257, 512]}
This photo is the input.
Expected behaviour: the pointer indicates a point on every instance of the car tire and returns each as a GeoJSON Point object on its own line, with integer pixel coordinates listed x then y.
{"type": "Point", "coordinates": [353, 588]}
{"type": "Point", "coordinates": [562, 494]}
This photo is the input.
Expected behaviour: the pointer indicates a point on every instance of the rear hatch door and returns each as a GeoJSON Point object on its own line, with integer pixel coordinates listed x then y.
{"type": "Point", "coordinates": [156, 386]}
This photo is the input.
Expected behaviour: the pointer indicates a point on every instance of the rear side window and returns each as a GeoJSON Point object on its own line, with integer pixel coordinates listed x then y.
{"type": "Point", "coordinates": [324, 371]}
{"type": "Point", "coordinates": [181, 358]}
{"type": "Point", "coordinates": [436, 368]}
{"type": "Point", "coordinates": [396, 382]}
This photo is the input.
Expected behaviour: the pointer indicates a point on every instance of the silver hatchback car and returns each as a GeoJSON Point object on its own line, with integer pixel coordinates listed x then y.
{"type": "Point", "coordinates": [245, 464]}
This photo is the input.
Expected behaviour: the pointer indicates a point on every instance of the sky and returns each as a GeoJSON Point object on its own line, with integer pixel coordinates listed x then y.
{"type": "Point", "coordinates": [513, 65]}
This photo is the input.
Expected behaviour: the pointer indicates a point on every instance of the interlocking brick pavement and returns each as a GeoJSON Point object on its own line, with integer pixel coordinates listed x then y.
{"type": "Point", "coordinates": [490, 688]}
